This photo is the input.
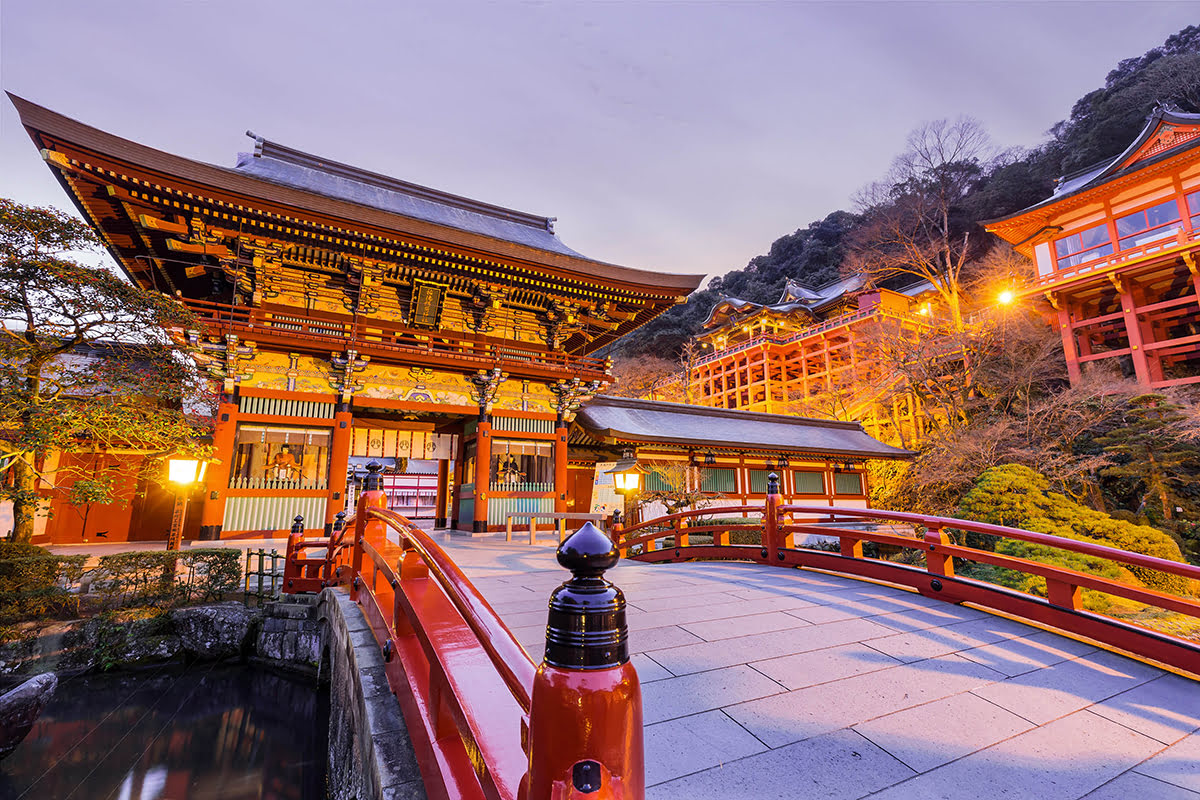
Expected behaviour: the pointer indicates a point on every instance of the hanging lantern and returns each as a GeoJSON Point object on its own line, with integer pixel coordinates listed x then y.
{"type": "Point", "coordinates": [709, 459]}
{"type": "Point", "coordinates": [627, 474]}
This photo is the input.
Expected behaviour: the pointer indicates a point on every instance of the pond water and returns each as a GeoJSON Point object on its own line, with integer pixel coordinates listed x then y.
{"type": "Point", "coordinates": [203, 733]}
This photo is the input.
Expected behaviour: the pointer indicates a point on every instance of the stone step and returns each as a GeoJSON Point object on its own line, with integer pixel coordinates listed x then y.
{"type": "Point", "coordinates": [291, 610]}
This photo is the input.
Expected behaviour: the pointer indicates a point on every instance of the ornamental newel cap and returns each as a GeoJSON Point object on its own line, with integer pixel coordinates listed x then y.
{"type": "Point", "coordinates": [772, 484]}
{"type": "Point", "coordinates": [588, 552]}
{"type": "Point", "coordinates": [339, 521]}
{"type": "Point", "coordinates": [374, 480]}
{"type": "Point", "coordinates": [586, 628]}
{"type": "Point", "coordinates": [298, 524]}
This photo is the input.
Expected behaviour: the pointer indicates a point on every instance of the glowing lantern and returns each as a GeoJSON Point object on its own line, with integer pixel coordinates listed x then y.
{"type": "Point", "coordinates": [627, 475]}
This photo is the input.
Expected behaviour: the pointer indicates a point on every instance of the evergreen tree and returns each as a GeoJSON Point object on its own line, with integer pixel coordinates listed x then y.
{"type": "Point", "coordinates": [1150, 451]}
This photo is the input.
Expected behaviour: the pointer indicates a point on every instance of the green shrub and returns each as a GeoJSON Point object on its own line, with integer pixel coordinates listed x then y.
{"type": "Point", "coordinates": [34, 586]}
{"type": "Point", "coordinates": [1018, 497]}
{"type": "Point", "coordinates": [159, 578]}
{"type": "Point", "coordinates": [20, 550]}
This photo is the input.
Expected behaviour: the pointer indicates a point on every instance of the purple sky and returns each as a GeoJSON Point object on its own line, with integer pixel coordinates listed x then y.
{"type": "Point", "coordinates": [682, 137]}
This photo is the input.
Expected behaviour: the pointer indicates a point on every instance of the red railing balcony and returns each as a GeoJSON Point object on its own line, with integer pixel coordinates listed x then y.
{"type": "Point", "coordinates": [1182, 240]}
{"type": "Point", "coordinates": [369, 335]}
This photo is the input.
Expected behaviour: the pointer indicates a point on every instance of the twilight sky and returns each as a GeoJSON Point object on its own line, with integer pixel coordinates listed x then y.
{"type": "Point", "coordinates": [674, 136]}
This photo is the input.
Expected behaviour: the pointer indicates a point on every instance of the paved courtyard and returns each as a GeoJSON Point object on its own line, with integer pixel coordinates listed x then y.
{"type": "Point", "coordinates": [761, 682]}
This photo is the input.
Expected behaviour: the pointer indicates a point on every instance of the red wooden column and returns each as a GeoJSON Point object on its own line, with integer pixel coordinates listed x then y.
{"type": "Point", "coordinates": [339, 461]}
{"type": "Point", "coordinates": [212, 516]}
{"type": "Point", "coordinates": [483, 473]}
{"type": "Point", "coordinates": [560, 468]}
{"type": "Point", "coordinates": [1070, 352]}
{"type": "Point", "coordinates": [1141, 365]}
{"type": "Point", "coordinates": [443, 492]}
{"type": "Point", "coordinates": [585, 717]}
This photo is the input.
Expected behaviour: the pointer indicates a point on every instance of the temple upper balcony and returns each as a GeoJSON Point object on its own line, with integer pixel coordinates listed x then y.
{"type": "Point", "coordinates": [1156, 227]}
{"type": "Point", "coordinates": [1135, 211]}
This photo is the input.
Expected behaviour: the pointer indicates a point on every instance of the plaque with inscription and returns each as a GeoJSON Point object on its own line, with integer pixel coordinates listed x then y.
{"type": "Point", "coordinates": [426, 308]}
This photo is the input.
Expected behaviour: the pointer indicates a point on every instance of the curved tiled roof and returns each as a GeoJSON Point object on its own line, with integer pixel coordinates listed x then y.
{"type": "Point", "coordinates": [1098, 174]}
{"type": "Point", "coordinates": [626, 419]}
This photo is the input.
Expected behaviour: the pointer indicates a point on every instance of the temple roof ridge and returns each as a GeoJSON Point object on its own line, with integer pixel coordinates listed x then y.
{"type": "Point", "coordinates": [1127, 160]}
{"type": "Point", "coordinates": [299, 169]}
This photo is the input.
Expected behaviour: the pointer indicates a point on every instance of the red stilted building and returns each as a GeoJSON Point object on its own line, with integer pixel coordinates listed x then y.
{"type": "Point", "coordinates": [1115, 253]}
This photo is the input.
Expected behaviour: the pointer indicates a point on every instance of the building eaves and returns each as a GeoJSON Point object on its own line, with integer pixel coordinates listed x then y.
{"type": "Point", "coordinates": [40, 120]}
{"type": "Point", "coordinates": [625, 419]}
{"type": "Point", "coordinates": [1110, 169]}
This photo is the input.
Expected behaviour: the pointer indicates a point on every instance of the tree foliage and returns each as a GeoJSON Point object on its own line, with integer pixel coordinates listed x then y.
{"type": "Point", "coordinates": [1156, 448]}
{"type": "Point", "coordinates": [1100, 125]}
{"type": "Point", "coordinates": [85, 363]}
{"type": "Point", "coordinates": [680, 486]}
{"type": "Point", "coordinates": [915, 221]}
{"type": "Point", "coordinates": [1019, 497]}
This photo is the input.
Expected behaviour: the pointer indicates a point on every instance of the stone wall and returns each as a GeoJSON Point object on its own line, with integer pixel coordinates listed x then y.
{"type": "Point", "coordinates": [370, 754]}
{"type": "Point", "coordinates": [129, 640]}
{"type": "Point", "coordinates": [290, 636]}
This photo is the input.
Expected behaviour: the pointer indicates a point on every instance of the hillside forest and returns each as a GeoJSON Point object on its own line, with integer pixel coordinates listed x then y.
{"type": "Point", "coordinates": [1011, 441]}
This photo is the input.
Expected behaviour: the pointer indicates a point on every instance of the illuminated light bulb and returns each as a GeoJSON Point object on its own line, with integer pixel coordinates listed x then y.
{"type": "Point", "coordinates": [1006, 297]}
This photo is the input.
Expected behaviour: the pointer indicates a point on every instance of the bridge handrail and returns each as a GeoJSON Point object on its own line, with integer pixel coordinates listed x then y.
{"type": "Point", "coordinates": [511, 661]}
{"type": "Point", "coordinates": [484, 721]}
{"type": "Point", "coordinates": [1033, 537]}
{"type": "Point", "coordinates": [1061, 606]}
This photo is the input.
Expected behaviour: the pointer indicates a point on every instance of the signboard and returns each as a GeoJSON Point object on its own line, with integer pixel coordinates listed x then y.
{"type": "Point", "coordinates": [382, 443]}
{"type": "Point", "coordinates": [426, 308]}
{"type": "Point", "coordinates": [605, 499]}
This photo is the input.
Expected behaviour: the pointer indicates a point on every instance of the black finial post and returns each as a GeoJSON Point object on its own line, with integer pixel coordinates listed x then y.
{"type": "Point", "coordinates": [772, 483]}
{"type": "Point", "coordinates": [616, 516]}
{"type": "Point", "coordinates": [339, 521]}
{"type": "Point", "coordinates": [586, 625]}
{"type": "Point", "coordinates": [298, 525]}
{"type": "Point", "coordinates": [374, 479]}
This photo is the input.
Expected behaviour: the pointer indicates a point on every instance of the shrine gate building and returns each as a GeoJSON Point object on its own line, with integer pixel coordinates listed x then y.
{"type": "Point", "coordinates": [349, 316]}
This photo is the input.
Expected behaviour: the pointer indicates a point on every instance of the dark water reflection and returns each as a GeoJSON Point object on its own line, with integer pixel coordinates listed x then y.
{"type": "Point", "coordinates": [205, 733]}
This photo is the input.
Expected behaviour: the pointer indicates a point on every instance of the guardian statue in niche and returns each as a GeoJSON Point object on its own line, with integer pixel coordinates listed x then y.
{"type": "Point", "coordinates": [283, 467]}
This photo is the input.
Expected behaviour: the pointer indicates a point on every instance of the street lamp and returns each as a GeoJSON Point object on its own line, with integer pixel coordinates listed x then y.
{"type": "Point", "coordinates": [627, 478]}
{"type": "Point", "coordinates": [184, 472]}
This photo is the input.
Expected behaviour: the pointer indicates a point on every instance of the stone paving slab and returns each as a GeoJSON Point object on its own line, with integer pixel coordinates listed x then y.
{"type": "Point", "coordinates": [875, 691]}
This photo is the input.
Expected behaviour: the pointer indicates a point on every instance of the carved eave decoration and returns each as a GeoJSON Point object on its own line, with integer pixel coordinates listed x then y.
{"type": "Point", "coordinates": [223, 358]}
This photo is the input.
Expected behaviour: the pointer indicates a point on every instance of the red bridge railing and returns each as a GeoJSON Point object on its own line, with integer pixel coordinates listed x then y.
{"type": "Point", "coordinates": [669, 538]}
{"type": "Point", "coordinates": [485, 722]}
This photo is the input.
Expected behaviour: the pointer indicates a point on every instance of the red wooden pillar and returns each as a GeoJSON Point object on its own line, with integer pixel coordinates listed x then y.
{"type": "Point", "coordinates": [212, 516]}
{"type": "Point", "coordinates": [443, 492]}
{"type": "Point", "coordinates": [339, 462]}
{"type": "Point", "coordinates": [1141, 365]}
{"type": "Point", "coordinates": [937, 563]}
{"type": "Point", "coordinates": [585, 715]}
{"type": "Point", "coordinates": [483, 474]}
{"type": "Point", "coordinates": [365, 529]}
{"type": "Point", "coordinates": [560, 468]}
{"type": "Point", "coordinates": [772, 541]}
{"type": "Point", "coordinates": [460, 477]}
{"type": "Point", "coordinates": [1070, 352]}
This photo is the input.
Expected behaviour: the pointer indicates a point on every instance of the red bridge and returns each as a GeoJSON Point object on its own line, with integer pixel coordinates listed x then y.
{"type": "Point", "coordinates": [830, 673]}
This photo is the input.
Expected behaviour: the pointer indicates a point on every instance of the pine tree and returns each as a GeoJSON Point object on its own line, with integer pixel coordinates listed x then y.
{"type": "Point", "coordinates": [1150, 451]}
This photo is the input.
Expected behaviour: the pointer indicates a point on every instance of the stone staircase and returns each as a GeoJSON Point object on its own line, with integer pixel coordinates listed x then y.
{"type": "Point", "coordinates": [290, 636]}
